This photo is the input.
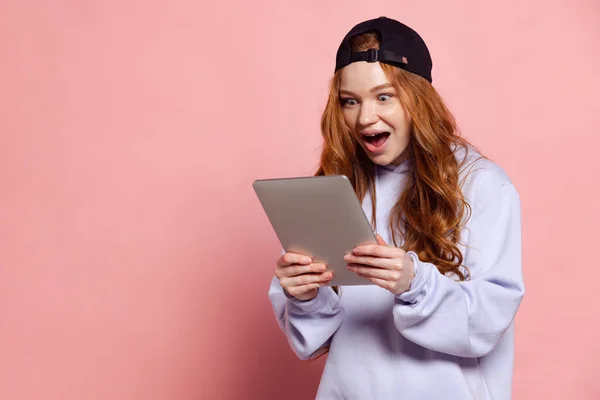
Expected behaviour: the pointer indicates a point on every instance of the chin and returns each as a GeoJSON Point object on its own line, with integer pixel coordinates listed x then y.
{"type": "Point", "coordinates": [382, 160]}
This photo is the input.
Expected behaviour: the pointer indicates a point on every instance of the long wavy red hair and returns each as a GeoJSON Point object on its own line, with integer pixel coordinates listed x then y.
{"type": "Point", "coordinates": [431, 210]}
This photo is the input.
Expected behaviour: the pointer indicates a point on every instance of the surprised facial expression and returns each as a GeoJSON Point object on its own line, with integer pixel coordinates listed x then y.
{"type": "Point", "coordinates": [372, 110]}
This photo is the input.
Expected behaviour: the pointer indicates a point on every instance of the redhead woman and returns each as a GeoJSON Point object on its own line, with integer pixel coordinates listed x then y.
{"type": "Point", "coordinates": [445, 279]}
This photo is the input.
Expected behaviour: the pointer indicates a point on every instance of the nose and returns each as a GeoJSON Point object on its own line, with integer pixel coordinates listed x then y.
{"type": "Point", "coordinates": [368, 114]}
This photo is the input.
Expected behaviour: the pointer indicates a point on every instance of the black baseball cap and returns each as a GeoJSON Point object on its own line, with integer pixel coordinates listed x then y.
{"type": "Point", "coordinates": [400, 46]}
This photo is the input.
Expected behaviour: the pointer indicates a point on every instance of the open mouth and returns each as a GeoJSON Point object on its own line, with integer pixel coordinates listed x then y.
{"type": "Point", "coordinates": [375, 142]}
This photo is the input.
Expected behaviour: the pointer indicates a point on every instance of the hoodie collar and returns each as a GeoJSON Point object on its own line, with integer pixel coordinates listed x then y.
{"type": "Point", "coordinates": [403, 168]}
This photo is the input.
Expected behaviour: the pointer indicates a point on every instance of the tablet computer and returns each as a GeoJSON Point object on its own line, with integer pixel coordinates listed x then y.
{"type": "Point", "coordinates": [318, 216]}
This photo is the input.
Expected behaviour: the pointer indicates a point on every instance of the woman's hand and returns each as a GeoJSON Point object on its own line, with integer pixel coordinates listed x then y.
{"type": "Point", "coordinates": [300, 277]}
{"type": "Point", "coordinates": [386, 266]}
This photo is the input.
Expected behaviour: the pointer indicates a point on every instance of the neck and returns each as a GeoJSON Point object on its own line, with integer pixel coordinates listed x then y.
{"type": "Point", "coordinates": [406, 154]}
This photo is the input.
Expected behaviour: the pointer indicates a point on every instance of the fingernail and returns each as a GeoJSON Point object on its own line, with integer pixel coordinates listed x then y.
{"type": "Point", "coordinates": [347, 257]}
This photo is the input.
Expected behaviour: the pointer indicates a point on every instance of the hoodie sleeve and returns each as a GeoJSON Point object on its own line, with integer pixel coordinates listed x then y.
{"type": "Point", "coordinates": [467, 319]}
{"type": "Point", "coordinates": [308, 325]}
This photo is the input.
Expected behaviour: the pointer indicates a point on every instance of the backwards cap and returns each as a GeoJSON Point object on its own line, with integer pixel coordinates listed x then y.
{"type": "Point", "coordinates": [399, 46]}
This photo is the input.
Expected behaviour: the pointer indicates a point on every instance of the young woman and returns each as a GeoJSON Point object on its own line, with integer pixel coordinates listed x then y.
{"type": "Point", "coordinates": [437, 320]}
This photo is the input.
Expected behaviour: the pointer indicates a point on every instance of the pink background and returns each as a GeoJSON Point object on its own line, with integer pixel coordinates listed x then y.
{"type": "Point", "coordinates": [134, 257]}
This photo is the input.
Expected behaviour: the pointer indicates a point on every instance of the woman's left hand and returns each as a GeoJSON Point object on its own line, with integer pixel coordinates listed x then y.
{"type": "Point", "coordinates": [386, 266]}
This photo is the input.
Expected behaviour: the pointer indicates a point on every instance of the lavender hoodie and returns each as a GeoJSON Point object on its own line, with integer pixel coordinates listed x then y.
{"type": "Point", "coordinates": [443, 339]}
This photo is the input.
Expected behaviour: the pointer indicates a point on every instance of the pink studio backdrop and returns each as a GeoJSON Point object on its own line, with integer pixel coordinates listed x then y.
{"type": "Point", "coordinates": [134, 257]}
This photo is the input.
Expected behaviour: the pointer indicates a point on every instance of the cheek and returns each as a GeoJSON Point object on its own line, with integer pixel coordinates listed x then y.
{"type": "Point", "coordinates": [349, 119]}
{"type": "Point", "coordinates": [399, 120]}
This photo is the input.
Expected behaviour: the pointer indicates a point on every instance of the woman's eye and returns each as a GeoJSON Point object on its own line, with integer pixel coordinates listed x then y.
{"type": "Point", "coordinates": [384, 97]}
{"type": "Point", "coordinates": [349, 102]}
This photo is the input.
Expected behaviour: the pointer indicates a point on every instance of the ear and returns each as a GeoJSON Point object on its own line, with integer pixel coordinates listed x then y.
{"type": "Point", "coordinates": [381, 241]}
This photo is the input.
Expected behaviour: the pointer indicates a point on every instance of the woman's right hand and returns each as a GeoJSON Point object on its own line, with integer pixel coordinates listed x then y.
{"type": "Point", "coordinates": [300, 277]}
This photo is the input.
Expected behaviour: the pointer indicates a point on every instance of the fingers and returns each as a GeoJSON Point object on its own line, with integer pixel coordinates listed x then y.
{"type": "Point", "coordinates": [305, 279]}
{"type": "Point", "coordinates": [377, 262]}
{"type": "Point", "coordinates": [386, 283]}
{"type": "Point", "coordinates": [293, 258]}
{"type": "Point", "coordinates": [378, 273]}
{"type": "Point", "coordinates": [294, 270]}
{"type": "Point", "coordinates": [299, 276]}
{"type": "Point", "coordinates": [380, 251]}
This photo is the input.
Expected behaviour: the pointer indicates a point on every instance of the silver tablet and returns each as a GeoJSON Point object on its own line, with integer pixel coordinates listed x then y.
{"type": "Point", "coordinates": [318, 216]}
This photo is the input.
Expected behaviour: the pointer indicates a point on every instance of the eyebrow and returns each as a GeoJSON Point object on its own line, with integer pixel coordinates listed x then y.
{"type": "Point", "coordinates": [376, 88]}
